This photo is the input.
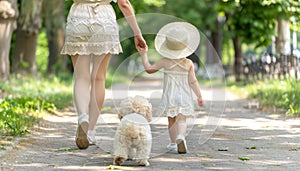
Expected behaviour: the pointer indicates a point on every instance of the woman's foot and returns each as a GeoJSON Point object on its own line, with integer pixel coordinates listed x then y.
{"type": "Point", "coordinates": [172, 147]}
{"type": "Point", "coordinates": [181, 144]}
{"type": "Point", "coordinates": [91, 135]}
{"type": "Point", "coordinates": [82, 141]}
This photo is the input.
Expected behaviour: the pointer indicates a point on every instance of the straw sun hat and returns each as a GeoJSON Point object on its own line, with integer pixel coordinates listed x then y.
{"type": "Point", "coordinates": [177, 40]}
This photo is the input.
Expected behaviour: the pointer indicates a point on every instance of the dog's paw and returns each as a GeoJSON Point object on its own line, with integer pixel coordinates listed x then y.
{"type": "Point", "coordinates": [143, 163]}
{"type": "Point", "coordinates": [119, 161]}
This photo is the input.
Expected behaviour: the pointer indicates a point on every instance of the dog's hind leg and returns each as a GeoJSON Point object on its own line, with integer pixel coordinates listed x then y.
{"type": "Point", "coordinates": [119, 160]}
{"type": "Point", "coordinates": [142, 155]}
{"type": "Point", "coordinates": [143, 162]}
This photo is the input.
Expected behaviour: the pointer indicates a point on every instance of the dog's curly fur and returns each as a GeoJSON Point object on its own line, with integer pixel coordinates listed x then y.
{"type": "Point", "coordinates": [133, 139]}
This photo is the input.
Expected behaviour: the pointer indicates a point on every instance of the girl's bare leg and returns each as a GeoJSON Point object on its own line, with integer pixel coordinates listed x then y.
{"type": "Point", "coordinates": [172, 129]}
{"type": "Point", "coordinates": [181, 124]}
{"type": "Point", "coordinates": [100, 65]}
{"type": "Point", "coordinates": [181, 130]}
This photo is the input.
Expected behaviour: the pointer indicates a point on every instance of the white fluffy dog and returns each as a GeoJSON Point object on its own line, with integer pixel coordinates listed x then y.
{"type": "Point", "coordinates": [133, 139]}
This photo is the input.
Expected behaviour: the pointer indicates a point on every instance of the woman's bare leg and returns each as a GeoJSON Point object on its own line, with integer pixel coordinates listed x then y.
{"type": "Point", "coordinates": [81, 89]}
{"type": "Point", "coordinates": [81, 97]}
{"type": "Point", "coordinates": [100, 65]}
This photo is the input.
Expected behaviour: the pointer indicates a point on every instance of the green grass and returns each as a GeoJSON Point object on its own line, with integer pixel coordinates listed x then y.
{"type": "Point", "coordinates": [23, 101]}
{"type": "Point", "coordinates": [283, 94]}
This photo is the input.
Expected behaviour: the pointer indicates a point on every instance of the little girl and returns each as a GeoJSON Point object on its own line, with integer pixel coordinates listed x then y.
{"type": "Point", "coordinates": [175, 41]}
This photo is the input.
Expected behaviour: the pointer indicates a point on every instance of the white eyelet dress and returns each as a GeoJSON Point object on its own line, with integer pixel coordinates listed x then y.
{"type": "Point", "coordinates": [177, 94]}
{"type": "Point", "coordinates": [91, 29]}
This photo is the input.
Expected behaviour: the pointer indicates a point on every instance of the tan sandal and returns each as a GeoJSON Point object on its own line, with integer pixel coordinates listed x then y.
{"type": "Point", "coordinates": [82, 141]}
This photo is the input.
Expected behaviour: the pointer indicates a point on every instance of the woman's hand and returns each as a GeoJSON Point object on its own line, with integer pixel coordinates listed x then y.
{"type": "Point", "coordinates": [140, 43]}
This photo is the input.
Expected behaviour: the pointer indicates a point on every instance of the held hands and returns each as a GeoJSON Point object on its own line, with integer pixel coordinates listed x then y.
{"type": "Point", "coordinates": [140, 43]}
{"type": "Point", "coordinates": [200, 101]}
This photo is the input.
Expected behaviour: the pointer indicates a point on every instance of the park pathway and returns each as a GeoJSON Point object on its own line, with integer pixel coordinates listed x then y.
{"type": "Point", "coordinates": [226, 135]}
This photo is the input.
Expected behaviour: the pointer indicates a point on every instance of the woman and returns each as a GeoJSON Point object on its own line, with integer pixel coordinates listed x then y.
{"type": "Point", "coordinates": [92, 30]}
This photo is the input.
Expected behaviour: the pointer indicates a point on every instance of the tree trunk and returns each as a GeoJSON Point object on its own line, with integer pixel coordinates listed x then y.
{"type": "Point", "coordinates": [8, 15]}
{"type": "Point", "coordinates": [283, 37]}
{"type": "Point", "coordinates": [213, 53]}
{"type": "Point", "coordinates": [238, 59]}
{"type": "Point", "coordinates": [29, 24]}
{"type": "Point", "coordinates": [217, 39]}
{"type": "Point", "coordinates": [53, 13]}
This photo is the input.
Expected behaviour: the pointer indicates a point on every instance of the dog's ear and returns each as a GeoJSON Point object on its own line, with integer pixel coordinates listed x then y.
{"type": "Point", "coordinates": [149, 117]}
{"type": "Point", "coordinates": [149, 114]}
{"type": "Point", "coordinates": [120, 116]}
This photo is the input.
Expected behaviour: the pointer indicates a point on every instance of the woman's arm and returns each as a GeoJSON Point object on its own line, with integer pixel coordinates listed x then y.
{"type": "Point", "coordinates": [129, 14]}
{"type": "Point", "coordinates": [193, 82]}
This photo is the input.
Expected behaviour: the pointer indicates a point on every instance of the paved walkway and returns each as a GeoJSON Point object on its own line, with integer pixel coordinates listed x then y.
{"type": "Point", "coordinates": [226, 135]}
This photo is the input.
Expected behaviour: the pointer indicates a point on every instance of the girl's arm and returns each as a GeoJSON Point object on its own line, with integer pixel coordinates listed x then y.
{"type": "Point", "coordinates": [148, 67]}
{"type": "Point", "coordinates": [129, 14]}
{"type": "Point", "coordinates": [193, 82]}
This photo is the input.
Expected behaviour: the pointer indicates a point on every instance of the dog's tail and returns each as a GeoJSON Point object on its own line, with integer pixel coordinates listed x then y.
{"type": "Point", "coordinates": [133, 131]}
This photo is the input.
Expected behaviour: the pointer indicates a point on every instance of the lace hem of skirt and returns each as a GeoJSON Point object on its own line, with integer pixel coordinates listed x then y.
{"type": "Point", "coordinates": [87, 49]}
{"type": "Point", "coordinates": [172, 112]}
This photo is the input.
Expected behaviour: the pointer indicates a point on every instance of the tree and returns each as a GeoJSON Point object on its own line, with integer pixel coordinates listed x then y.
{"type": "Point", "coordinates": [8, 15]}
{"type": "Point", "coordinates": [283, 41]}
{"type": "Point", "coordinates": [253, 22]}
{"type": "Point", "coordinates": [29, 24]}
{"type": "Point", "coordinates": [54, 21]}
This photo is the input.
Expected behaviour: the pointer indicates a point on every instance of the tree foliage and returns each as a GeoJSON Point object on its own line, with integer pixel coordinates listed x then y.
{"type": "Point", "coordinates": [199, 13]}
{"type": "Point", "coordinates": [254, 21]}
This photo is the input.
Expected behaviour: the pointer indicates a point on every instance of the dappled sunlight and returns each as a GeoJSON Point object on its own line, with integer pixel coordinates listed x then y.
{"type": "Point", "coordinates": [62, 118]}
{"type": "Point", "coordinates": [182, 159]}
{"type": "Point", "coordinates": [258, 123]}
{"type": "Point", "coordinates": [46, 129]}
{"type": "Point", "coordinates": [296, 135]}
{"type": "Point", "coordinates": [270, 162]}
{"type": "Point", "coordinates": [96, 167]}
{"type": "Point", "coordinates": [107, 118]}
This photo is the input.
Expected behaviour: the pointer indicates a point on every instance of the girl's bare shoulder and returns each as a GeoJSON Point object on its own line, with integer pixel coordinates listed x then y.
{"type": "Point", "coordinates": [188, 61]}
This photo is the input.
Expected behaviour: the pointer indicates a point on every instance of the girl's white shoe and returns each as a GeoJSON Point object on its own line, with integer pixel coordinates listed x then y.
{"type": "Point", "coordinates": [91, 137]}
{"type": "Point", "coordinates": [181, 144]}
{"type": "Point", "coordinates": [81, 137]}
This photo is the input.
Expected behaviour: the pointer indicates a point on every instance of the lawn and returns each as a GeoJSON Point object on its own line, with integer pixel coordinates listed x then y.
{"type": "Point", "coordinates": [283, 94]}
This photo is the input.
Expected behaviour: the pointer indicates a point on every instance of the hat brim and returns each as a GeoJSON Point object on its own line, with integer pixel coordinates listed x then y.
{"type": "Point", "coordinates": [191, 46]}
